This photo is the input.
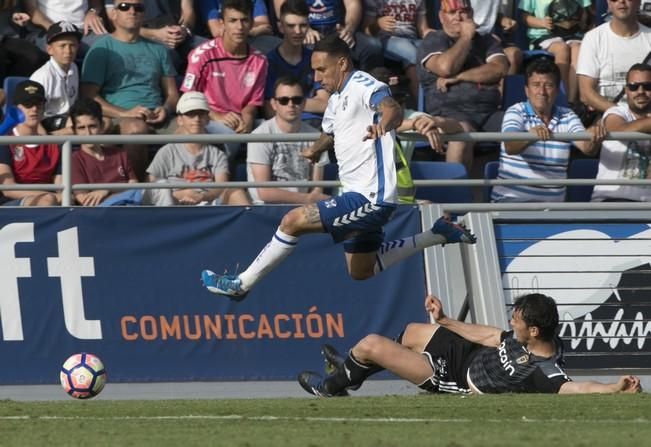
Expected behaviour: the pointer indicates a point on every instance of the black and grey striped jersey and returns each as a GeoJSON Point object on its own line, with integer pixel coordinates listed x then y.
{"type": "Point", "coordinates": [511, 368]}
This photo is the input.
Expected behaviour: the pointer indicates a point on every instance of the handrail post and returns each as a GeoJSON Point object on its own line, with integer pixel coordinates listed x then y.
{"type": "Point", "coordinates": [66, 156]}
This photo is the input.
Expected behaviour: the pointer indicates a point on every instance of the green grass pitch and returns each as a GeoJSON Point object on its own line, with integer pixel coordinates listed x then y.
{"type": "Point", "coordinates": [423, 420]}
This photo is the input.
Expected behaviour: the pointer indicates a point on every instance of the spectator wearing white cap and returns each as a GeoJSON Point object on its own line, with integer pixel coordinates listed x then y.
{"type": "Point", "coordinates": [60, 77]}
{"type": "Point", "coordinates": [192, 162]}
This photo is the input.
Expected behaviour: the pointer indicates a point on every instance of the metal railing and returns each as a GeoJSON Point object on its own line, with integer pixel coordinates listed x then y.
{"type": "Point", "coordinates": [66, 187]}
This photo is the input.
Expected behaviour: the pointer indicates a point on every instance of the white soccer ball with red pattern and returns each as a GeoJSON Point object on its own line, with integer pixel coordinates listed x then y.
{"type": "Point", "coordinates": [83, 375]}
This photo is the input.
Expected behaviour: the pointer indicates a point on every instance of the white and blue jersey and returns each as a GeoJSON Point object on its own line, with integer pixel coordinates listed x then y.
{"type": "Point", "coordinates": [540, 160]}
{"type": "Point", "coordinates": [366, 167]}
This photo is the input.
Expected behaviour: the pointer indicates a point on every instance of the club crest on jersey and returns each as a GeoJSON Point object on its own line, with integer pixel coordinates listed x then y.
{"type": "Point", "coordinates": [330, 203]}
{"type": "Point", "coordinates": [19, 153]}
{"type": "Point", "coordinates": [522, 360]}
{"type": "Point", "coordinates": [249, 79]}
{"type": "Point", "coordinates": [188, 82]}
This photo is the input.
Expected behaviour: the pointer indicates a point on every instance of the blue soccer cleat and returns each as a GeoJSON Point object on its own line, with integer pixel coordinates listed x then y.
{"type": "Point", "coordinates": [312, 382]}
{"type": "Point", "coordinates": [229, 285]}
{"type": "Point", "coordinates": [453, 233]}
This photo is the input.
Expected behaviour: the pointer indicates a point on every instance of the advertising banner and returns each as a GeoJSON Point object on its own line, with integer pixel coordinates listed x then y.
{"type": "Point", "coordinates": [123, 283]}
{"type": "Point", "coordinates": [600, 276]}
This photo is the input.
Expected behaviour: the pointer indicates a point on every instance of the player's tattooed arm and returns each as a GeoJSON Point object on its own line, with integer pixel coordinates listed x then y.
{"type": "Point", "coordinates": [323, 144]}
{"type": "Point", "coordinates": [391, 113]}
{"type": "Point", "coordinates": [390, 118]}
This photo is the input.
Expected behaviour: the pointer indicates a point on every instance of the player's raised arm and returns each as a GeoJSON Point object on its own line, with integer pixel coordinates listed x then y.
{"type": "Point", "coordinates": [476, 333]}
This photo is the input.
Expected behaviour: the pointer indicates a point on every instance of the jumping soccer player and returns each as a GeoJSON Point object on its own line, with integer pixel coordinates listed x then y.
{"type": "Point", "coordinates": [359, 123]}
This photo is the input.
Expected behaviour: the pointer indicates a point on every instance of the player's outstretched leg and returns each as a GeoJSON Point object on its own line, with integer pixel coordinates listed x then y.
{"type": "Point", "coordinates": [444, 231]}
{"type": "Point", "coordinates": [280, 246]}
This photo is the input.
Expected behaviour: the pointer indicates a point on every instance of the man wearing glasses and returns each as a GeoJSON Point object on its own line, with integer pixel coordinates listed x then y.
{"type": "Point", "coordinates": [627, 159]}
{"type": "Point", "coordinates": [283, 161]}
{"type": "Point", "coordinates": [132, 78]}
{"type": "Point", "coordinates": [608, 51]}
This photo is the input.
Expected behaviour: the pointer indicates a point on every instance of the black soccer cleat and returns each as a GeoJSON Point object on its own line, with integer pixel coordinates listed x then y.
{"type": "Point", "coordinates": [331, 358]}
{"type": "Point", "coordinates": [312, 382]}
{"type": "Point", "coordinates": [333, 361]}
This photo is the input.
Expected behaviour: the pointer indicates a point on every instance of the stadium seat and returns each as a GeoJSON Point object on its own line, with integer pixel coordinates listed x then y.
{"type": "Point", "coordinates": [581, 168]}
{"type": "Point", "coordinates": [490, 173]}
{"type": "Point", "coordinates": [421, 98]}
{"type": "Point", "coordinates": [330, 172]}
{"type": "Point", "coordinates": [600, 11]}
{"type": "Point", "coordinates": [9, 86]}
{"type": "Point", "coordinates": [514, 92]}
{"type": "Point", "coordinates": [439, 170]}
{"type": "Point", "coordinates": [240, 173]}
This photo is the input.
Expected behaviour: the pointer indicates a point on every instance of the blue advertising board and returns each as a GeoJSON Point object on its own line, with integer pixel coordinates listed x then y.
{"type": "Point", "coordinates": [598, 272]}
{"type": "Point", "coordinates": [123, 283]}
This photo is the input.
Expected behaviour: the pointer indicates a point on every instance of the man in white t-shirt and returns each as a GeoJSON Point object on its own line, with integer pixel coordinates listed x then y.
{"type": "Point", "coordinates": [358, 123]}
{"type": "Point", "coordinates": [84, 14]}
{"type": "Point", "coordinates": [608, 51]}
{"type": "Point", "coordinates": [627, 159]}
{"type": "Point", "coordinates": [280, 160]}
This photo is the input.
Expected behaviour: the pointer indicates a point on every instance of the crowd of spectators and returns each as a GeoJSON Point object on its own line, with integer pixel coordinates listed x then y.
{"type": "Point", "coordinates": [242, 66]}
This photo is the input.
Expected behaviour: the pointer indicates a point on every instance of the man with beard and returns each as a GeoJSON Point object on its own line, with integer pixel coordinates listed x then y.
{"type": "Point", "coordinates": [627, 159]}
{"type": "Point", "coordinates": [358, 124]}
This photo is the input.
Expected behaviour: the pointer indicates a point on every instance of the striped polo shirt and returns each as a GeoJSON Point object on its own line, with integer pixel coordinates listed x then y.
{"type": "Point", "coordinates": [540, 160]}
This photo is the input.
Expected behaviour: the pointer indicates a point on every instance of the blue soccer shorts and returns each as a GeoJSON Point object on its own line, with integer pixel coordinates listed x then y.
{"type": "Point", "coordinates": [350, 217]}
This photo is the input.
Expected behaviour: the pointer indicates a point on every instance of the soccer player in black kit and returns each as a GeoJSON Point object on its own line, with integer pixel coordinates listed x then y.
{"type": "Point", "coordinates": [451, 356]}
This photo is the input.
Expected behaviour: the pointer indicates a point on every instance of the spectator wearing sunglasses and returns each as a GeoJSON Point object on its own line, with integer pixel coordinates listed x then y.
{"type": "Point", "coordinates": [283, 161]}
{"type": "Point", "coordinates": [608, 51]}
{"type": "Point", "coordinates": [627, 159]}
{"type": "Point", "coordinates": [133, 79]}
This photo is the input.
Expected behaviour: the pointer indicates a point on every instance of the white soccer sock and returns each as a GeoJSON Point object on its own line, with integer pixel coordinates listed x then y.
{"type": "Point", "coordinates": [391, 252]}
{"type": "Point", "coordinates": [280, 246]}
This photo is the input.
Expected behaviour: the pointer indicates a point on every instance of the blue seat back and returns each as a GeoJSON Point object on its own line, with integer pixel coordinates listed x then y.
{"type": "Point", "coordinates": [581, 168]}
{"type": "Point", "coordinates": [9, 86]}
{"type": "Point", "coordinates": [490, 173]}
{"type": "Point", "coordinates": [514, 92]}
{"type": "Point", "coordinates": [433, 170]}
{"type": "Point", "coordinates": [240, 174]}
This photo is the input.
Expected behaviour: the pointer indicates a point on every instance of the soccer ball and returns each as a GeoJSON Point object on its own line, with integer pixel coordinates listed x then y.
{"type": "Point", "coordinates": [83, 376]}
